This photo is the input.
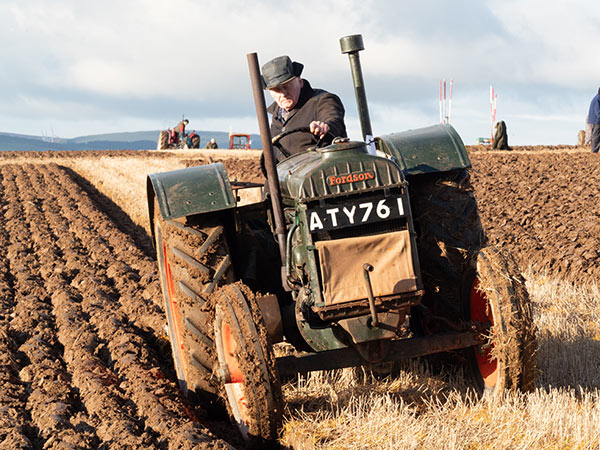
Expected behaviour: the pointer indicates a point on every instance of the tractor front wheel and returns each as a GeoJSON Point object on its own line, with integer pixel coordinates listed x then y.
{"type": "Point", "coordinates": [250, 383]}
{"type": "Point", "coordinates": [496, 298]}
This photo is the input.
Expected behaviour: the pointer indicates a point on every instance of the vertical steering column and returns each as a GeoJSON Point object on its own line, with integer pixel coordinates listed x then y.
{"type": "Point", "coordinates": [272, 180]}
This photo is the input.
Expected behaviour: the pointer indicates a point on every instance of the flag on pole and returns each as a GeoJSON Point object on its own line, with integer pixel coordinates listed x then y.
{"type": "Point", "coordinates": [445, 101]}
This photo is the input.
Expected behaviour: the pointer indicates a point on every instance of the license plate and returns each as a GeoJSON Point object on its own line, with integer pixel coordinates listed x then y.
{"type": "Point", "coordinates": [360, 212]}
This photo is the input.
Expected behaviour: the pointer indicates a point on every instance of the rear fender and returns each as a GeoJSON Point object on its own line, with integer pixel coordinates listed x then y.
{"type": "Point", "coordinates": [185, 192]}
{"type": "Point", "coordinates": [437, 148]}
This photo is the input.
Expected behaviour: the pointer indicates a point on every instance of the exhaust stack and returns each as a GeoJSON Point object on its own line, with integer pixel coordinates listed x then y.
{"type": "Point", "coordinates": [352, 45]}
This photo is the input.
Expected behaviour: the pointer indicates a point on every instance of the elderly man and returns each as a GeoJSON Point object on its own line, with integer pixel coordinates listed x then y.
{"type": "Point", "coordinates": [297, 105]}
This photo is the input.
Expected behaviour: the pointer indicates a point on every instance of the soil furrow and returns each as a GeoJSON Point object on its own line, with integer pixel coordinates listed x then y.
{"type": "Point", "coordinates": [14, 418]}
{"type": "Point", "coordinates": [157, 400]}
{"type": "Point", "coordinates": [544, 208]}
{"type": "Point", "coordinates": [129, 270]}
{"type": "Point", "coordinates": [51, 401]}
{"type": "Point", "coordinates": [108, 250]}
{"type": "Point", "coordinates": [109, 414]}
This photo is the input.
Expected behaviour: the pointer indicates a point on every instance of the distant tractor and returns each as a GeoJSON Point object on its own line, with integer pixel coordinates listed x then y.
{"type": "Point", "coordinates": [239, 141]}
{"type": "Point", "coordinates": [170, 139]}
{"type": "Point", "coordinates": [362, 253]}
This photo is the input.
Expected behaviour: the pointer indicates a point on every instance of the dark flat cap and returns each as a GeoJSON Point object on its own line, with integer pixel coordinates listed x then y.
{"type": "Point", "coordinates": [280, 70]}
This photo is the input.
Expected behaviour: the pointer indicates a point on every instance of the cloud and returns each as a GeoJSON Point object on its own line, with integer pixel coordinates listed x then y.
{"type": "Point", "coordinates": [142, 62]}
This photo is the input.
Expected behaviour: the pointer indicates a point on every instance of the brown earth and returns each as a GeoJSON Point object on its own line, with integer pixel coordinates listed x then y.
{"type": "Point", "coordinates": [85, 361]}
{"type": "Point", "coordinates": [543, 206]}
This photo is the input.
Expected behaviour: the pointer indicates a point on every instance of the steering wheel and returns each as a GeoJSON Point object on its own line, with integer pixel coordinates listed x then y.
{"type": "Point", "coordinates": [276, 141]}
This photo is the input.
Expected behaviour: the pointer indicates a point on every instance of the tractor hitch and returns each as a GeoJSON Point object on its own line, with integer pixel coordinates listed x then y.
{"type": "Point", "coordinates": [397, 350]}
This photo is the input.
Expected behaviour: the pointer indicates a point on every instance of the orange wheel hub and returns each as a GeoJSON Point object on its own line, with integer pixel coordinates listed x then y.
{"type": "Point", "coordinates": [481, 312]}
{"type": "Point", "coordinates": [236, 379]}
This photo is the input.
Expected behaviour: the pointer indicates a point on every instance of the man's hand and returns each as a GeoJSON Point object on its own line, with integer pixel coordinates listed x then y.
{"type": "Point", "coordinates": [319, 128]}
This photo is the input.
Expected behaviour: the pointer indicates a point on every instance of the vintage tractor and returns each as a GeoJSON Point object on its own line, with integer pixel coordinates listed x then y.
{"type": "Point", "coordinates": [239, 141]}
{"type": "Point", "coordinates": [361, 253]}
{"type": "Point", "coordinates": [170, 139]}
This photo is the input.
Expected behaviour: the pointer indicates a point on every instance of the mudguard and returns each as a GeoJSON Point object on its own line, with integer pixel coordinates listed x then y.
{"type": "Point", "coordinates": [437, 148]}
{"type": "Point", "coordinates": [189, 191]}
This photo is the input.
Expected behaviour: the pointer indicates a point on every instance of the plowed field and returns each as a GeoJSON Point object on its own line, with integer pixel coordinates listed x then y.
{"type": "Point", "coordinates": [544, 206]}
{"type": "Point", "coordinates": [81, 338]}
{"type": "Point", "coordinates": [85, 362]}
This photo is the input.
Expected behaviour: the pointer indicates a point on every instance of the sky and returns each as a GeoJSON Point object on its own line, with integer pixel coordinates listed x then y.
{"type": "Point", "coordinates": [78, 67]}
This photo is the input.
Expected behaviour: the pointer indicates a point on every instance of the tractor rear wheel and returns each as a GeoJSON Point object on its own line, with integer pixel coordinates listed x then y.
{"type": "Point", "coordinates": [193, 261]}
{"type": "Point", "coordinates": [195, 141]}
{"type": "Point", "coordinates": [163, 140]}
{"type": "Point", "coordinates": [250, 382]}
{"type": "Point", "coordinates": [450, 240]}
{"type": "Point", "coordinates": [449, 231]}
{"type": "Point", "coordinates": [495, 296]}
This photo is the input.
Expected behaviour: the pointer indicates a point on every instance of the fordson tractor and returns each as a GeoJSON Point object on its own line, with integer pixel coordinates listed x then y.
{"type": "Point", "coordinates": [360, 253]}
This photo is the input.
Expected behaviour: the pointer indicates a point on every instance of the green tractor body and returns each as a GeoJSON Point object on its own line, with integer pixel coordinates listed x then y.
{"type": "Point", "coordinates": [381, 258]}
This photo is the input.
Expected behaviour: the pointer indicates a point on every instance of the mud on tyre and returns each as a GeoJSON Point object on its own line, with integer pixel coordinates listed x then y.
{"type": "Point", "coordinates": [455, 264]}
{"type": "Point", "coordinates": [193, 262]}
{"type": "Point", "coordinates": [163, 140]}
{"type": "Point", "coordinates": [250, 383]}
{"type": "Point", "coordinates": [495, 296]}
{"type": "Point", "coordinates": [195, 141]}
{"type": "Point", "coordinates": [449, 232]}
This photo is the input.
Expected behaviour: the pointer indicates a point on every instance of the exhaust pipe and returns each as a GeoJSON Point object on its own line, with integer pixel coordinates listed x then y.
{"type": "Point", "coordinates": [352, 45]}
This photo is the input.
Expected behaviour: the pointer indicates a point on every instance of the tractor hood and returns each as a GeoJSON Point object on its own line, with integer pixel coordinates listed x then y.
{"type": "Point", "coordinates": [338, 169]}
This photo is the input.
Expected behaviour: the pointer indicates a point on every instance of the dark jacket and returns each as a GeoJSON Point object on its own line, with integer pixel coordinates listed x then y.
{"type": "Point", "coordinates": [313, 104]}
{"type": "Point", "coordinates": [501, 137]}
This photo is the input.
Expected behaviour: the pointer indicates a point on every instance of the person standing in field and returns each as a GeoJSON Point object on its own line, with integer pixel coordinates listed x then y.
{"type": "Point", "coordinates": [212, 144]}
{"type": "Point", "coordinates": [594, 120]}
{"type": "Point", "coordinates": [501, 137]}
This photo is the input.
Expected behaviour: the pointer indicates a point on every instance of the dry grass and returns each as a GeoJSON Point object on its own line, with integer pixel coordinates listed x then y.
{"type": "Point", "coordinates": [419, 409]}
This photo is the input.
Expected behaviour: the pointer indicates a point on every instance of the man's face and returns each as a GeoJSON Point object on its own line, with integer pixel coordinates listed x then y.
{"type": "Point", "coordinates": [286, 95]}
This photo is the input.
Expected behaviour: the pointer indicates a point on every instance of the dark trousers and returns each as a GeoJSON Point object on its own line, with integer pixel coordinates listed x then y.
{"type": "Point", "coordinates": [595, 137]}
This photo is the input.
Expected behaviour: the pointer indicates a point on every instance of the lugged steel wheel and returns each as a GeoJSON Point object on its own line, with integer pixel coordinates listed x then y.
{"type": "Point", "coordinates": [448, 230]}
{"type": "Point", "coordinates": [495, 296]}
{"type": "Point", "coordinates": [250, 383]}
{"type": "Point", "coordinates": [195, 141]}
{"type": "Point", "coordinates": [192, 263]}
{"type": "Point", "coordinates": [453, 262]}
{"type": "Point", "coordinates": [163, 140]}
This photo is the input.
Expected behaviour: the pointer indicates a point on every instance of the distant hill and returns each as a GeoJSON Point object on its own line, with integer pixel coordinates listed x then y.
{"type": "Point", "coordinates": [137, 140]}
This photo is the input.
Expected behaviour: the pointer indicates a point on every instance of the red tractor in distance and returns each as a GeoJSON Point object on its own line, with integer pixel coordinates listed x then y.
{"type": "Point", "coordinates": [239, 141]}
{"type": "Point", "coordinates": [172, 139]}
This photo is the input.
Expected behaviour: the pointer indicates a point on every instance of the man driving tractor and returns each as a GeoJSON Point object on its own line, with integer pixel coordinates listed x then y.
{"type": "Point", "coordinates": [179, 130]}
{"type": "Point", "coordinates": [297, 104]}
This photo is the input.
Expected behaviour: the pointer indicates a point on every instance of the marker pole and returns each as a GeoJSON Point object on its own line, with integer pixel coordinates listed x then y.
{"type": "Point", "coordinates": [450, 100]}
{"type": "Point", "coordinates": [445, 105]}
{"type": "Point", "coordinates": [441, 115]}
{"type": "Point", "coordinates": [492, 113]}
